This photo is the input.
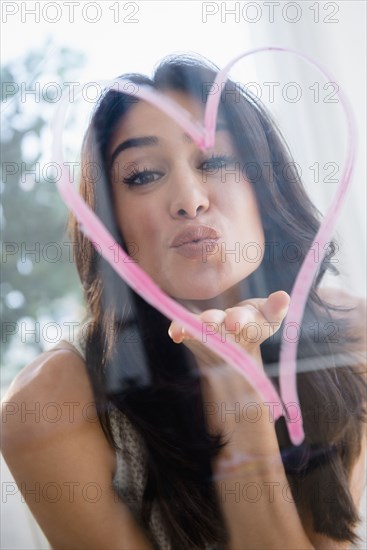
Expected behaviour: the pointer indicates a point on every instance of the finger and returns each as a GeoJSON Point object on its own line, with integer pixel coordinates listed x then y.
{"type": "Point", "coordinates": [176, 332]}
{"type": "Point", "coordinates": [257, 319]}
{"type": "Point", "coordinates": [276, 306]}
{"type": "Point", "coordinates": [238, 316]}
{"type": "Point", "coordinates": [245, 324]}
{"type": "Point", "coordinates": [211, 318]}
{"type": "Point", "coordinates": [274, 309]}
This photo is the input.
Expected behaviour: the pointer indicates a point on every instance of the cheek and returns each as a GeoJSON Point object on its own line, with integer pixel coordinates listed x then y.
{"type": "Point", "coordinates": [124, 219]}
{"type": "Point", "coordinates": [126, 215]}
{"type": "Point", "coordinates": [138, 223]}
{"type": "Point", "coordinates": [240, 200]}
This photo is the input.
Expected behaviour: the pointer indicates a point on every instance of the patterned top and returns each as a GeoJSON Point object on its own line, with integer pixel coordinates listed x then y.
{"type": "Point", "coordinates": [130, 476]}
{"type": "Point", "coordinates": [131, 468]}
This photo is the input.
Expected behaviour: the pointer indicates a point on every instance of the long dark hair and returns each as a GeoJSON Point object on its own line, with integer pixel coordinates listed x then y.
{"type": "Point", "coordinates": [155, 382]}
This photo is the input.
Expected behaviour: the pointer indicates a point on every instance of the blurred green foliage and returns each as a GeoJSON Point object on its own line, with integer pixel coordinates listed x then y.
{"type": "Point", "coordinates": [43, 284]}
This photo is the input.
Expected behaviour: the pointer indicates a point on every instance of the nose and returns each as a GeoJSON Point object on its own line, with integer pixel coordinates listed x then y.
{"type": "Point", "coordinates": [189, 194]}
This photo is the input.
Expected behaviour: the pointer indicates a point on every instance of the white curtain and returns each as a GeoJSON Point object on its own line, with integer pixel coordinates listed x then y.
{"type": "Point", "coordinates": [332, 33]}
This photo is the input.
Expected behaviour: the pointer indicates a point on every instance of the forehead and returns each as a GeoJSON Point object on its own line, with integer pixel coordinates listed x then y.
{"type": "Point", "coordinates": [144, 119]}
{"type": "Point", "coordinates": [143, 115]}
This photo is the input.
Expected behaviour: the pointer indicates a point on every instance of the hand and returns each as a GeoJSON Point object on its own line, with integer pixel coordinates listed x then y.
{"type": "Point", "coordinates": [225, 389]}
{"type": "Point", "coordinates": [249, 324]}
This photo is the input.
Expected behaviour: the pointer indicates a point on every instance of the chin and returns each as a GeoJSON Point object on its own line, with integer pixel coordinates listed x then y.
{"type": "Point", "coordinates": [192, 294]}
{"type": "Point", "coordinates": [188, 292]}
{"type": "Point", "coordinates": [198, 295]}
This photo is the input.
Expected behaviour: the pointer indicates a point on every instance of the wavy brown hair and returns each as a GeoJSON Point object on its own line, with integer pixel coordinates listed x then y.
{"type": "Point", "coordinates": [155, 383]}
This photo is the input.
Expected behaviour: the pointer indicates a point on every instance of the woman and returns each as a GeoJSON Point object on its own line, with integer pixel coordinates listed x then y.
{"type": "Point", "coordinates": [170, 417]}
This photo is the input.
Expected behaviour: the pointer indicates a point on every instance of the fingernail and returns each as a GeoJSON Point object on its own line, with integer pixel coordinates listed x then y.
{"type": "Point", "coordinates": [179, 339]}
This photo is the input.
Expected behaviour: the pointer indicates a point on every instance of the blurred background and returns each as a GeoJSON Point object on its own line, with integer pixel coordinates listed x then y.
{"type": "Point", "coordinates": [41, 296]}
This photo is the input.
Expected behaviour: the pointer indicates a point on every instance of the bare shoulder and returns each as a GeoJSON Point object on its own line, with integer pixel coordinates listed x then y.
{"type": "Point", "coordinates": [51, 398]}
{"type": "Point", "coordinates": [56, 370]}
{"type": "Point", "coordinates": [60, 458]}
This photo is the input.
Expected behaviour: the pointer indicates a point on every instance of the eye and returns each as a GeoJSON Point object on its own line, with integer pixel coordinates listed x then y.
{"type": "Point", "coordinates": [141, 177]}
{"type": "Point", "coordinates": [215, 162]}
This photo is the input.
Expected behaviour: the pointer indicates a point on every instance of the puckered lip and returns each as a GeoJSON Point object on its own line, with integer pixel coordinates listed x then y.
{"type": "Point", "coordinates": [194, 233]}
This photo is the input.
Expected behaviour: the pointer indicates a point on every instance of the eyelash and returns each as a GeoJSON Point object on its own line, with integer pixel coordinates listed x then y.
{"type": "Point", "coordinates": [131, 179]}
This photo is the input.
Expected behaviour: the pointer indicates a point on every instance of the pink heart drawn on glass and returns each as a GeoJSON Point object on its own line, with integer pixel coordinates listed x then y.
{"type": "Point", "coordinates": [204, 136]}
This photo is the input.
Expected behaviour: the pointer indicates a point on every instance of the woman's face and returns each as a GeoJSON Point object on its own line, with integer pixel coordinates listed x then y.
{"type": "Point", "coordinates": [163, 185]}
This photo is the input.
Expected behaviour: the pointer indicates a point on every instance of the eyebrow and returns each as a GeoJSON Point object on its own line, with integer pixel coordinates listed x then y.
{"type": "Point", "coordinates": [150, 141]}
